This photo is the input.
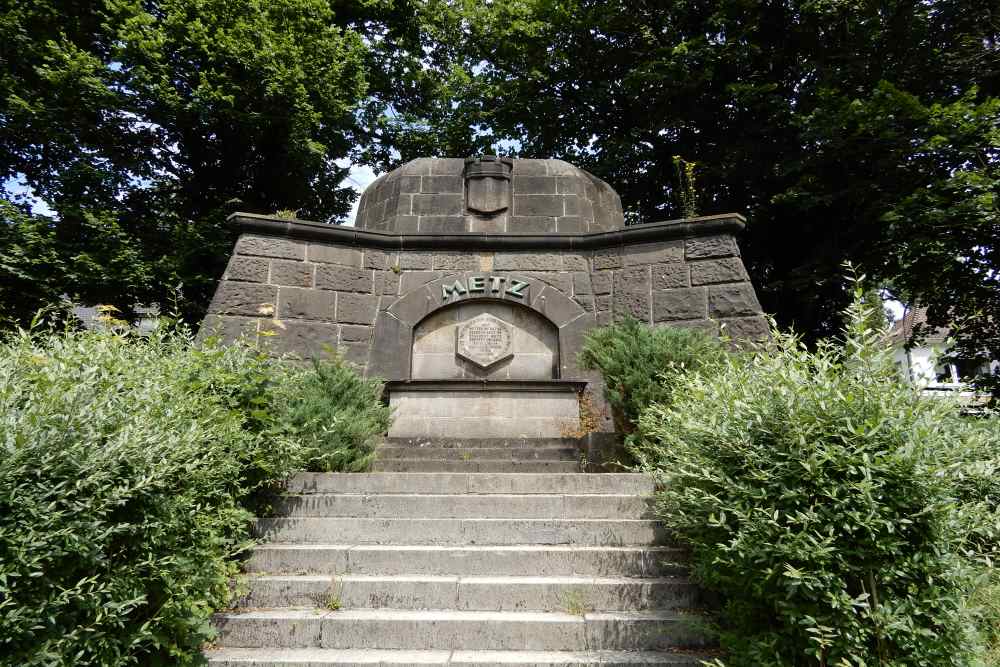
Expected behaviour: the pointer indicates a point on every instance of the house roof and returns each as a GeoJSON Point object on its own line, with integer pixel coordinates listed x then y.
{"type": "Point", "coordinates": [915, 320]}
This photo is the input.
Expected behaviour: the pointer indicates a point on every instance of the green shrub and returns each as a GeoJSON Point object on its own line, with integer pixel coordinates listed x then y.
{"type": "Point", "coordinates": [641, 365]}
{"type": "Point", "coordinates": [335, 416]}
{"type": "Point", "coordinates": [125, 468]}
{"type": "Point", "coordinates": [822, 499]}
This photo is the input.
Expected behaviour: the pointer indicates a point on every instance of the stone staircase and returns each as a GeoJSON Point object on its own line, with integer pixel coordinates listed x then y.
{"type": "Point", "coordinates": [467, 553]}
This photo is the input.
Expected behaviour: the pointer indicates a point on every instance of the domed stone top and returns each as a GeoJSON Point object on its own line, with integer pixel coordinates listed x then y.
{"type": "Point", "coordinates": [489, 195]}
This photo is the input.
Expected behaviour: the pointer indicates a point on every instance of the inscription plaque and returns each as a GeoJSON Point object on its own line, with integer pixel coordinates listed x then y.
{"type": "Point", "coordinates": [484, 340]}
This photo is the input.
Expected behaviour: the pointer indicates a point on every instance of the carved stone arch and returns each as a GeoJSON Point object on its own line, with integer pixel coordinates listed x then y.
{"type": "Point", "coordinates": [395, 324]}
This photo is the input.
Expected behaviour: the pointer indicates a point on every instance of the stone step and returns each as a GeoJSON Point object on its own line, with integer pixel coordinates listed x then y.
{"type": "Point", "coordinates": [306, 530]}
{"type": "Point", "coordinates": [470, 593]}
{"type": "Point", "coordinates": [497, 506]}
{"type": "Point", "coordinates": [442, 482]}
{"type": "Point", "coordinates": [474, 465]}
{"type": "Point", "coordinates": [542, 560]}
{"type": "Point", "coordinates": [457, 630]}
{"type": "Point", "coordinates": [318, 657]}
{"type": "Point", "coordinates": [480, 453]}
{"type": "Point", "coordinates": [477, 443]}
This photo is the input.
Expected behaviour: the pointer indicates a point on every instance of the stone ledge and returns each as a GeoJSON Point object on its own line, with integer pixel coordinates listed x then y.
{"type": "Point", "coordinates": [689, 228]}
{"type": "Point", "coordinates": [486, 385]}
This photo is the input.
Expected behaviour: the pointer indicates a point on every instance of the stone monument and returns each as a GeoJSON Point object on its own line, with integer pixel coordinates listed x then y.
{"type": "Point", "coordinates": [469, 284]}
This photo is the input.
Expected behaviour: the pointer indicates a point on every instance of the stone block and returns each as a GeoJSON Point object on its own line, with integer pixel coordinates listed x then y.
{"type": "Point", "coordinates": [442, 184]}
{"type": "Point", "coordinates": [293, 274]}
{"type": "Point", "coordinates": [530, 168]}
{"type": "Point", "coordinates": [229, 328]}
{"type": "Point", "coordinates": [601, 282]}
{"type": "Point", "coordinates": [306, 304]}
{"type": "Point", "coordinates": [636, 304]}
{"type": "Point", "coordinates": [412, 306]}
{"type": "Point", "coordinates": [686, 303]}
{"type": "Point", "coordinates": [404, 208]}
{"type": "Point", "coordinates": [607, 259]}
{"type": "Point", "coordinates": [746, 328]}
{"type": "Point", "coordinates": [602, 303]}
{"type": "Point", "coordinates": [581, 283]}
{"type": "Point", "coordinates": [547, 205]}
{"type": "Point", "coordinates": [419, 166]}
{"type": "Point", "coordinates": [356, 308]}
{"type": "Point", "coordinates": [654, 253]}
{"type": "Point", "coordinates": [586, 302]}
{"type": "Point", "coordinates": [451, 165]}
{"type": "Point", "coordinates": [671, 276]}
{"type": "Point", "coordinates": [571, 224]}
{"type": "Point", "coordinates": [410, 184]}
{"type": "Point", "coordinates": [732, 300]}
{"type": "Point", "coordinates": [556, 306]}
{"type": "Point", "coordinates": [332, 254]}
{"type": "Point", "coordinates": [441, 224]}
{"type": "Point", "coordinates": [711, 271]}
{"type": "Point", "coordinates": [267, 246]}
{"type": "Point", "coordinates": [571, 206]}
{"type": "Point", "coordinates": [455, 261]}
{"type": "Point", "coordinates": [355, 333]}
{"type": "Point", "coordinates": [344, 279]}
{"type": "Point", "coordinates": [711, 246]}
{"type": "Point", "coordinates": [632, 279]}
{"type": "Point", "coordinates": [407, 224]}
{"type": "Point", "coordinates": [444, 204]}
{"type": "Point", "coordinates": [525, 261]}
{"type": "Point", "coordinates": [571, 339]}
{"type": "Point", "coordinates": [495, 225]}
{"type": "Point", "coordinates": [377, 259]}
{"type": "Point", "coordinates": [520, 224]}
{"type": "Point", "coordinates": [387, 282]}
{"type": "Point", "coordinates": [247, 269]}
{"type": "Point", "coordinates": [389, 337]}
{"type": "Point", "coordinates": [354, 353]}
{"type": "Point", "coordinates": [414, 260]}
{"type": "Point", "coordinates": [303, 339]}
{"type": "Point", "coordinates": [252, 299]}
{"type": "Point", "coordinates": [575, 263]}
{"type": "Point", "coordinates": [535, 185]}
{"type": "Point", "coordinates": [411, 280]}
{"type": "Point", "coordinates": [710, 327]}
{"type": "Point", "coordinates": [568, 185]}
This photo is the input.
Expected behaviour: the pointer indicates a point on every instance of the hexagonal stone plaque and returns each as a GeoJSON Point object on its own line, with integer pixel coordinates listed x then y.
{"type": "Point", "coordinates": [484, 340]}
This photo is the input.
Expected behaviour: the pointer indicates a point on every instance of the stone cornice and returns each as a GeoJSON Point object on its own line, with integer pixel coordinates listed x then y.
{"type": "Point", "coordinates": [711, 225]}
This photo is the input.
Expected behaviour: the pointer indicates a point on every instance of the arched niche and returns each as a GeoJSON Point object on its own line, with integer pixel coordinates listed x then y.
{"type": "Point", "coordinates": [533, 352]}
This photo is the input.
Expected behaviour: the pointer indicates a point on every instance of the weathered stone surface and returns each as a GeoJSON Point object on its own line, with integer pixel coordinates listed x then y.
{"type": "Point", "coordinates": [746, 328]}
{"type": "Point", "coordinates": [303, 339]}
{"type": "Point", "coordinates": [387, 282]}
{"type": "Point", "coordinates": [444, 204]}
{"type": "Point", "coordinates": [455, 261]}
{"type": "Point", "coordinates": [586, 302]}
{"type": "Point", "coordinates": [535, 185]}
{"type": "Point", "coordinates": [377, 259]}
{"type": "Point", "coordinates": [331, 254]}
{"type": "Point", "coordinates": [581, 283]}
{"type": "Point", "coordinates": [571, 224]}
{"type": "Point", "coordinates": [293, 274]}
{"type": "Point", "coordinates": [732, 300]}
{"type": "Point", "coordinates": [411, 280]}
{"type": "Point", "coordinates": [268, 246]}
{"type": "Point", "coordinates": [407, 224]}
{"type": "Point", "coordinates": [632, 279]}
{"type": "Point", "coordinates": [636, 304]}
{"type": "Point", "coordinates": [356, 308]}
{"type": "Point", "coordinates": [527, 261]}
{"type": "Point", "coordinates": [413, 305]}
{"type": "Point", "coordinates": [670, 276]}
{"type": "Point", "coordinates": [247, 269]}
{"type": "Point", "coordinates": [306, 304]}
{"type": "Point", "coordinates": [556, 306]}
{"type": "Point", "coordinates": [561, 281]}
{"type": "Point", "coordinates": [708, 326]}
{"type": "Point", "coordinates": [233, 298]}
{"type": "Point", "coordinates": [448, 165]}
{"type": "Point", "coordinates": [355, 353]}
{"type": "Point", "coordinates": [229, 328]}
{"type": "Point", "coordinates": [344, 279]}
{"type": "Point", "coordinates": [442, 184]}
{"type": "Point", "coordinates": [442, 224]}
{"type": "Point", "coordinates": [711, 271]}
{"type": "Point", "coordinates": [575, 263]}
{"type": "Point", "coordinates": [389, 336]}
{"type": "Point", "coordinates": [355, 333]}
{"type": "Point", "coordinates": [530, 168]}
{"type": "Point", "coordinates": [484, 340]}
{"type": "Point", "coordinates": [415, 260]}
{"type": "Point", "coordinates": [411, 184]}
{"type": "Point", "coordinates": [607, 259]}
{"type": "Point", "coordinates": [602, 302]}
{"type": "Point", "coordinates": [686, 303]}
{"type": "Point", "coordinates": [521, 224]}
{"type": "Point", "coordinates": [654, 253]}
{"type": "Point", "coordinates": [547, 205]}
{"type": "Point", "coordinates": [571, 337]}
{"type": "Point", "coordinates": [601, 282]}
{"type": "Point", "coordinates": [712, 246]}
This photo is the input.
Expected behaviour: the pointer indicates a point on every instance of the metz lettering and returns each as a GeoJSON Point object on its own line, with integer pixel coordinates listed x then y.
{"type": "Point", "coordinates": [500, 285]}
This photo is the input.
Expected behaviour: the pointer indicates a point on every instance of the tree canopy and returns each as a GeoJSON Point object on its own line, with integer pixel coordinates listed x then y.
{"type": "Point", "coordinates": [845, 130]}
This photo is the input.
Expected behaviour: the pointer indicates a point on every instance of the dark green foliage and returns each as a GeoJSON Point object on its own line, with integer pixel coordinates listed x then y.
{"type": "Point", "coordinates": [334, 415]}
{"type": "Point", "coordinates": [641, 365]}
{"type": "Point", "coordinates": [841, 517]}
{"type": "Point", "coordinates": [126, 467]}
